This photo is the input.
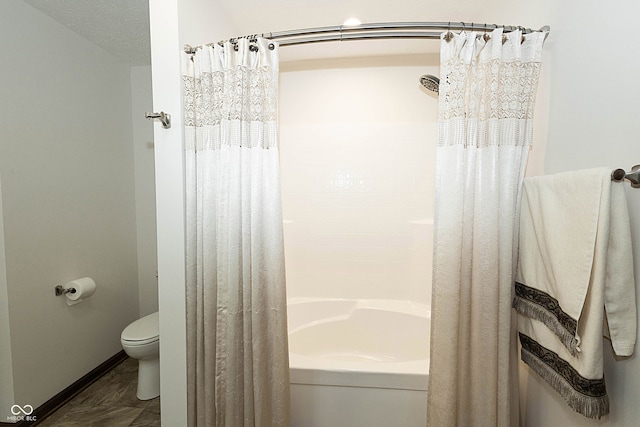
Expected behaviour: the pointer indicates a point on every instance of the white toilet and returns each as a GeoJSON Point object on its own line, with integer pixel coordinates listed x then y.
{"type": "Point", "coordinates": [141, 340]}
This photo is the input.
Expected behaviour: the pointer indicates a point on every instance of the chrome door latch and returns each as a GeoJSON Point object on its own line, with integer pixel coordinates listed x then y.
{"type": "Point", "coordinates": [164, 118]}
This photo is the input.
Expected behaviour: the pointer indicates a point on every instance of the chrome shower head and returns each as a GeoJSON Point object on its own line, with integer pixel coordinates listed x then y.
{"type": "Point", "coordinates": [430, 82]}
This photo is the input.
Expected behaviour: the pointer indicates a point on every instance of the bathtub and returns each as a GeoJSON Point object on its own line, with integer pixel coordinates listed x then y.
{"type": "Point", "coordinates": [358, 363]}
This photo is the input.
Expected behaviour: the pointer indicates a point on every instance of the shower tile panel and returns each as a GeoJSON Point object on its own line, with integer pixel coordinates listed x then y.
{"type": "Point", "coordinates": [357, 226]}
{"type": "Point", "coordinates": [338, 213]}
{"type": "Point", "coordinates": [357, 184]}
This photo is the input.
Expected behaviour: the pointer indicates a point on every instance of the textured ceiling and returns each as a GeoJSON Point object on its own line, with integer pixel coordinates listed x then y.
{"type": "Point", "coordinates": [121, 27]}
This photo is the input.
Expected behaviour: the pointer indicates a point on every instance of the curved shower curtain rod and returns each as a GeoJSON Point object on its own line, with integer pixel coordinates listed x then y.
{"type": "Point", "coordinates": [383, 30]}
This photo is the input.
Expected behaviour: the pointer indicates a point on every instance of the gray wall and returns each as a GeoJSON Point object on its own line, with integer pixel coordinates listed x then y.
{"type": "Point", "coordinates": [67, 170]}
{"type": "Point", "coordinates": [141, 101]}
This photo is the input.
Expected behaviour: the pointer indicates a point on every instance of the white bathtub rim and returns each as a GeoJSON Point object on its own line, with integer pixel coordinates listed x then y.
{"type": "Point", "coordinates": [412, 308]}
{"type": "Point", "coordinates": [329, 319]}
{"type": "Point", "coordinates": [380, 380]}
{"type": "Point", "coordinates": [410, 375]}
{"type": "Point", "coordinates": [348, 307]}
{"type": "Point", "coordinates": [316, 370]}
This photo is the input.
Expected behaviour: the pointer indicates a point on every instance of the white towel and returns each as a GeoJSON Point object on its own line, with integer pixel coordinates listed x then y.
{"type": "Point", "coordinates": [575, 265]}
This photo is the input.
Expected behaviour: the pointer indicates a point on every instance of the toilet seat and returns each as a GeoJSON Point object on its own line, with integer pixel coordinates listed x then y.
{"type": "Point", "coordinates": [143, 331]}
{"type": "Point", "coordinates": [132, 343]}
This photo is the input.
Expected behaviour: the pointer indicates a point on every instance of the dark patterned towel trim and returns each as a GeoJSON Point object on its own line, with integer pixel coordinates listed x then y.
{"type": "Point", "coordinates": [539, 305]}
{"type": "Point", "coordinates": [585, 396]}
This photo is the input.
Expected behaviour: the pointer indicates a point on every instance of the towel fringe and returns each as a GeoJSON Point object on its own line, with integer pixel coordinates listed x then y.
{"type": "Point", "coordinates": [536, 312]}
{"type": "Point", "coordinates": [590, 407]}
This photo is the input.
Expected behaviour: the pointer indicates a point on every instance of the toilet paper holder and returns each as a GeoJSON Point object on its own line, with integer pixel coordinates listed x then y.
{"type": "Point", "coordinates": [60, 290]}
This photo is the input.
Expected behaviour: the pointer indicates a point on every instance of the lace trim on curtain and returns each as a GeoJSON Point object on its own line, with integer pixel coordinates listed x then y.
{"type": "Point", "coordinates": [232, 133]}
{"type": "Point", "coordinates": [511, 85]}
{"type": "Point", "coordinates": [248, 95]}
{"type": "Point", "coordinates": [459, 131]}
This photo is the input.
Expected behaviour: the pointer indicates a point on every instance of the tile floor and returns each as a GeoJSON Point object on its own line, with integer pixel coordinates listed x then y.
{"type": "Point", "coordinates": [110, 402]}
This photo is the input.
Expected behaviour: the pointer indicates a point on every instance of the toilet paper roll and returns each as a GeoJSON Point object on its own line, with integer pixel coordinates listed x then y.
{"type": "Point", "coordinates": [79, 289]}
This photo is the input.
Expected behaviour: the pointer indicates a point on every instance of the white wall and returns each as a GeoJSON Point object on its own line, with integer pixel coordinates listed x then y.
{"type": "Point", "coordinates": [357, 144]}
{"type": "Point", "coordinates": [66, 161]}
{"type": "Point", "coordinates": [141, 102]}
{"type": "Point", "coordinates": [198, 22]}
{"type": "Point", "coordinates": [203, 21]}
{"type": "Point", "coordinates": [169, 165]}
{"type": "Point", "coordinates": [592, 95]}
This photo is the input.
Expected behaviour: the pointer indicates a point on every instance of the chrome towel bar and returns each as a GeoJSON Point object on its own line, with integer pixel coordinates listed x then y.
{"type": "Point", "coordinates": [619, 175]}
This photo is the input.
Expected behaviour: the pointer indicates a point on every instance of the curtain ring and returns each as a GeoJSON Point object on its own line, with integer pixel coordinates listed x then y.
{"type": "Point", "coordinates": [486, 36]}
{"type": "Point", "coordinates": [449, 35]}
{"type": "Point", "coordinates": [472, 28]}
{"type": "Point", "coordinates": [504, 34]}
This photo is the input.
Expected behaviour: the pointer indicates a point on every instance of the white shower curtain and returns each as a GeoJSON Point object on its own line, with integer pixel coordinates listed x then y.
{"type": "Point", "coordinates": [238, 365]}
{"type": "Point", "coordinates": [486, 101]}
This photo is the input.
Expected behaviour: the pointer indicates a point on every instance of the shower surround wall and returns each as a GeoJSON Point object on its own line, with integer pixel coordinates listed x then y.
{"type": "Point", "coordinates": [67, 170]}
{"type": "Point", "coordinates": [357, 138]}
